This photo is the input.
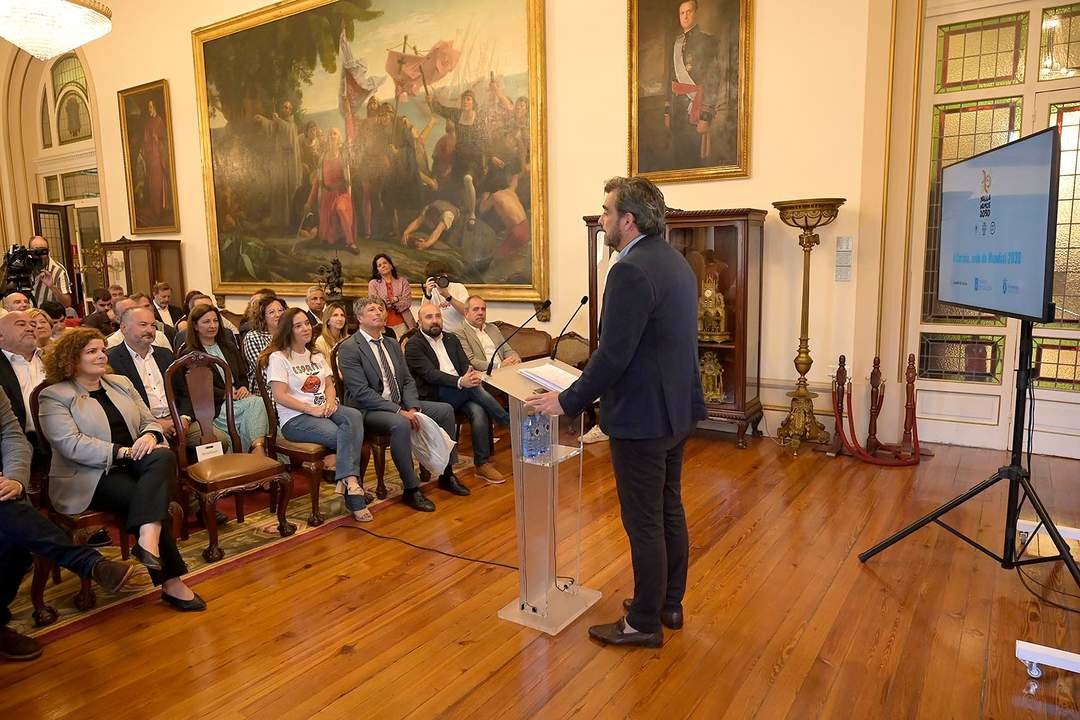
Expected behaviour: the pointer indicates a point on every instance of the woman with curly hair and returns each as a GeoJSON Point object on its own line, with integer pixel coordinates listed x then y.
{"type": "Point", "coordinates": [207, 334]}
{"type": "Point", "coordinates": [110, 454]}
{"type": "Point", "coordinates": [264, 319]}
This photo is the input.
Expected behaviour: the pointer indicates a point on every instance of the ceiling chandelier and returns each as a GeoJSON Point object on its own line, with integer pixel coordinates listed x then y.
{"type": "Point", "coordinates": [47, 28]}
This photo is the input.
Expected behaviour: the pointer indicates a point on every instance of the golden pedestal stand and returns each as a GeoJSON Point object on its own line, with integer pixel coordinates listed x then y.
{"type": "Point", "coordinates": [800, 425]}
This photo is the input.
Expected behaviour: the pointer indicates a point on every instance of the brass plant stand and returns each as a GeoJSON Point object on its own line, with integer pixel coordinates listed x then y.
{"type": "Point", "coordinates": [800, 425]}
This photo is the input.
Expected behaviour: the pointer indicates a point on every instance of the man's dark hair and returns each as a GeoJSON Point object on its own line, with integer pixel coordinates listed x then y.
{"type": "Point", "coordinates": [102, 295]}
{"type": "Point", "coordinates": [642, 199]}
{"type": "Point", "coordinates": [53, 309]}
{"type": "Point", "coordinates": [434, 268]}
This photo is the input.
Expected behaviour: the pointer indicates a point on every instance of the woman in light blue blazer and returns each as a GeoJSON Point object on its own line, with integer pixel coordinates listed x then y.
{"type": "Point", "coordinates": [109, 454]}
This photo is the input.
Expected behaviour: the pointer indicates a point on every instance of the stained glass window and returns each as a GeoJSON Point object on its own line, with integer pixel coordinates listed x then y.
{"type": "Point", "coordinates": [81, 184]}
{"type": "Point", "coordinates": [1059, 48]}
{"type": "Point", "coordinates": [961, 130]}
{"type": "Point", "coordinates": [52, 189]}
{"type": "Point", "coordinates": [72, 119]}
{"type": "Point", "coordinates": [68, 71]}
{"type": "Point", "coordinates": [1066, 116]}
{"type": "Point", "coordinates": [46, 126]}
{"type": "Point", "coordinates": [1056, 364]}
{"type": "Point", "coordinates": [981, 53]}
{"type": "Point", "coordinates": [961, 358]}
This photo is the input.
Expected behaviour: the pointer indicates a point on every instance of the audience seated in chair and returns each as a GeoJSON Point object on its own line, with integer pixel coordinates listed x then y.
{"type": "Point", "coordinates": [23, 530]}
{"type": "Point", "coordinates": [264, 323]}
{"type": "Point", "coordinates": [144, 364]}
{"type": "Point", "coordinates": [102, 319]}
{"type": "Point", "coordinates": [16, 302]}
{"type": "Point", "coordinates": [334, 329]}
{"type": "Point", "coordinates": [443, 373]}
{"type": "Point", "coordinates": [307, 405]}
{"type": "Point", "coordinates": [479, 338]}
{"type": "Point", "coordinates": [110, 454]}
{"type": "Point", "coordinates": [121, 306]}
{"type": "Point", "coordinates": [377, 381]}
{"type": "Point", "coordinates": [196, 299]}
{"type": "Point", "coordinates": [206, 334]}
{"type": "Point", "coordinates": [42, 324]}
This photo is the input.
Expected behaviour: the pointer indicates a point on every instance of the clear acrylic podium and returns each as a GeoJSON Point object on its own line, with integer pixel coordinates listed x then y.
{"type": "Point", "coordinates": [549, 597]}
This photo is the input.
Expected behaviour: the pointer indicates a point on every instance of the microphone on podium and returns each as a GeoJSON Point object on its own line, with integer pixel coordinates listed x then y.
{"type": "Point", "coordinates": [584, 302]}
{"type": "Point", "coordinates": [491, 363]}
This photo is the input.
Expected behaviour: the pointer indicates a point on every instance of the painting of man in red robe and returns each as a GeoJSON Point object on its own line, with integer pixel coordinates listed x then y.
{"type": "Point", "coordinates": [148, 158]}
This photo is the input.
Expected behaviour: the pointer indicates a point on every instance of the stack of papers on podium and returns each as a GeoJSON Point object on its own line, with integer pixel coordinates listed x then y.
{"type": "Point", "coordinates": [549, 376]}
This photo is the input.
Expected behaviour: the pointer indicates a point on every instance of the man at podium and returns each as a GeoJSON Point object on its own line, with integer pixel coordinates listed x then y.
{"type": "Point", "coordinates": [645, 372]}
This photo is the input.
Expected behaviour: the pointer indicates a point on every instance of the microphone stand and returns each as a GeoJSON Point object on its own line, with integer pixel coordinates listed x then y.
{"type": "Point", "coordinates": [555, 349]}
{"type": "Point", "coordinates": [491, 363]}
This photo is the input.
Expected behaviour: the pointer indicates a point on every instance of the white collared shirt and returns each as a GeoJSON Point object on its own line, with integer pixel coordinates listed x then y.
{"type": "Point", "coordinates": [445, 364]}
{"type": "Point", "coordinates": [30, 374]}
{"type": "Point", "coordinates": [117, 338]}
{"type": "Point", "coordinates": [164, 314]}
{"type": "Point", "coordinates": [376, 348]}
{"type": "Point", "coordinates": [153, 381]}
{"type": "Point", "coordinates": [487, 344]}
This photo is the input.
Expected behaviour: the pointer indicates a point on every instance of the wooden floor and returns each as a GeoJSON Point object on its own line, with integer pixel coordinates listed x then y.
{"type": "Point", "coordinates": [782, 619]}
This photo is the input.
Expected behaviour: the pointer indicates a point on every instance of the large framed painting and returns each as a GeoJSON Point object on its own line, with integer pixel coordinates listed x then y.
{"type": "Point", "coordinates": [348, 128]}
{"type": "Point", "coordinates": [690, 65]}
{"type": "Point", "coordinates": [147, 135]}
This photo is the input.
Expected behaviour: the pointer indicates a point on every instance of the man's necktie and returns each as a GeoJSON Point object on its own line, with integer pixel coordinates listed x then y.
{"type": "Point", "coordinates": [395, 391]}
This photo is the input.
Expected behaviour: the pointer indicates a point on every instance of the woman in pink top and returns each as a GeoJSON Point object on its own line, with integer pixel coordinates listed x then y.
{"type": "Point", "coordinates": [394, 290]}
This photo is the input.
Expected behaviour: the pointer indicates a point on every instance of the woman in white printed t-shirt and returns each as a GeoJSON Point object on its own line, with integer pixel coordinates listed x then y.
{"type": "Point", "coordinates": [307, 405]}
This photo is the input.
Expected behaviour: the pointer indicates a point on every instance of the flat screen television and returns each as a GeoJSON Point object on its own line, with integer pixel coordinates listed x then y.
{"type": "Point", "coordinates": [998, 224]}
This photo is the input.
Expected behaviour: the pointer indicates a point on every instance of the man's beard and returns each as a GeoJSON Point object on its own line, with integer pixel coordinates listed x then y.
{"type": "Point", "coordinates": [613, 238]}
{"type": "Point", "coordinates": [434, 331]}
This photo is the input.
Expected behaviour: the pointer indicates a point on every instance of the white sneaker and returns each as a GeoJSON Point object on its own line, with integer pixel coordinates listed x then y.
{"type": "Point", "coordinates": [594, 435]}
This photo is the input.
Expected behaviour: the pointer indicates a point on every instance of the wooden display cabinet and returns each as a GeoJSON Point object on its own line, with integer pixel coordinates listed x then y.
{"type": "Point", "coordinates": [724, 249]}
{"type": "Point", "coordinates": [138, 264]}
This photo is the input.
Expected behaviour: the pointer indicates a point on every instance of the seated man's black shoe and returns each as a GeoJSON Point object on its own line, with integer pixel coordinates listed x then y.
{"type": "Point", "coordinates": [99, 538]}
{"type": "Point", "coordinates": [195, 604]}
{"type": "Point", "coordinates": [612, 634]}
{"type": "Point", "coordinates": [16, 646]}
{"type": "Point", "coordinates": [450, 483]}
{"type": "Point", "coordinates": [671, 619]}
{"type": "Point", "coordinates": [416, 500]}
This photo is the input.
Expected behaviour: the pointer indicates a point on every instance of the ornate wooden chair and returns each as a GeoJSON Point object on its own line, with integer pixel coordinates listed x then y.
{"type": "Point", "coordinates": [374, 443]}
{"type": "Point", "coordinates": [233, 473]}
{"type": "Point", "coordinates": [529, 343]}
{"type": "Point", "coordinates": [300, 454]}
{"type": "Point", "coordinates": [79, 527]}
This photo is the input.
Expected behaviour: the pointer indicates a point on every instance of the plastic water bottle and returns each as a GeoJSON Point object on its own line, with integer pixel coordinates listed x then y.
{"type": "Point", "coordinates": [536, 436]}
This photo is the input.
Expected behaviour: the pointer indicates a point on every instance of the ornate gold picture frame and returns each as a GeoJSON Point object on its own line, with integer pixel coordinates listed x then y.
{"type": "Point", "coordinates": [147, 136]}
{"type": "Point", "coordinates": [690, 86]}
{"type": "Point", "coordinates": [325, 129]}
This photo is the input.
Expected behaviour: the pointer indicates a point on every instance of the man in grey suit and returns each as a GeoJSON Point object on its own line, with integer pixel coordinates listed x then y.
{"type": "Point", "coordinates": [479, 339]}
{"type": "Point", "coordinates": [645, 372]}
{"type": "Point", "coordinates": [23, 530]}
{"type": "Point", "coordinates": [377, 382]}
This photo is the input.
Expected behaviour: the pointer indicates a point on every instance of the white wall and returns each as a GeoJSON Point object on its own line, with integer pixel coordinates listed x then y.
{"type": "Point", "coordinates": [809, 92]}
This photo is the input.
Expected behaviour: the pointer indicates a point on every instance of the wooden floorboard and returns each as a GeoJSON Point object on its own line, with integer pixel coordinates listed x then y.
{"type": "Point", "coordinates": [782, 619]}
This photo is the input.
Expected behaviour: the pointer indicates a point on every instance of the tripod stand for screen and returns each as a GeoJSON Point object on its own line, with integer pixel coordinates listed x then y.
{"type": "Point", "coordinates": [1018, 478]}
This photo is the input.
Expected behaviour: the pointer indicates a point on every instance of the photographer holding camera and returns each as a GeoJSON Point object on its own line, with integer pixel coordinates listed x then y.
{"type": "Point", "coordinates": [52, 282]}
{"type": "Point", "coordinates": [450, 297]}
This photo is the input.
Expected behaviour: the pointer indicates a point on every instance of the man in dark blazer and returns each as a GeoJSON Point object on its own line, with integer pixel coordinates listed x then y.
{"type": "Point", "coordinates": [164, 311]}
{"type": "Point", "coordinates": [645, 372]}
{"type": "Point", "coordinates": [23, 530]}
{"type": "Point", "coordinates": [442, 371]}
{"type": "Point", "coordinates": [377, 381]}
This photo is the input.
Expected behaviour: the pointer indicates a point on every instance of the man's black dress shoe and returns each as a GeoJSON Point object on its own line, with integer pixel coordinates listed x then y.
{"type": "Point", "coordinates": [100, 538]}
{"type": "Point", "coordinates": [612, 634]}
{"type": "Point", "coordinates": [152, 562]}
{"type": "Point", "coordinates": [668, 618]}
{"type": "Point", "coordinates": [451, 484]}
{"type": "Point", "coordinates": [16, 646]}
{"type": "Point", "coordinates": [417, 501]}
{"type": "Point", "coordinates": [195, 604]}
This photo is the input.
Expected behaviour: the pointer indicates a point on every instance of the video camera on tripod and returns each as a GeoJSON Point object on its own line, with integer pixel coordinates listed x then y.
{"type": "Point", "coordinates": [21, 266]}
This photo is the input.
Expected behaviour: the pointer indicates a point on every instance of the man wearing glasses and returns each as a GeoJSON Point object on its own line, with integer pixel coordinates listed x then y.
{"type": "Point", "coordinates": [52, 283]}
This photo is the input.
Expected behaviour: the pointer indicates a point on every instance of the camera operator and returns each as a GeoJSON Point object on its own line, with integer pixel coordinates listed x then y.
{"type": "Point", "coordinates": [52, 282]}
{"type": "Point", "coordinates": [450, 297]}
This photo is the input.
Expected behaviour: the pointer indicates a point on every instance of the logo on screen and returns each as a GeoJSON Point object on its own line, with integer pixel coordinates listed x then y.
{"type": "Point", "coordinates": [986, 181]}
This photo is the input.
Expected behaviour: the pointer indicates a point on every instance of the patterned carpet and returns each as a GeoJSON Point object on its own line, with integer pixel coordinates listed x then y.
{"type": "Point", "coordinates": [240, 541]}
